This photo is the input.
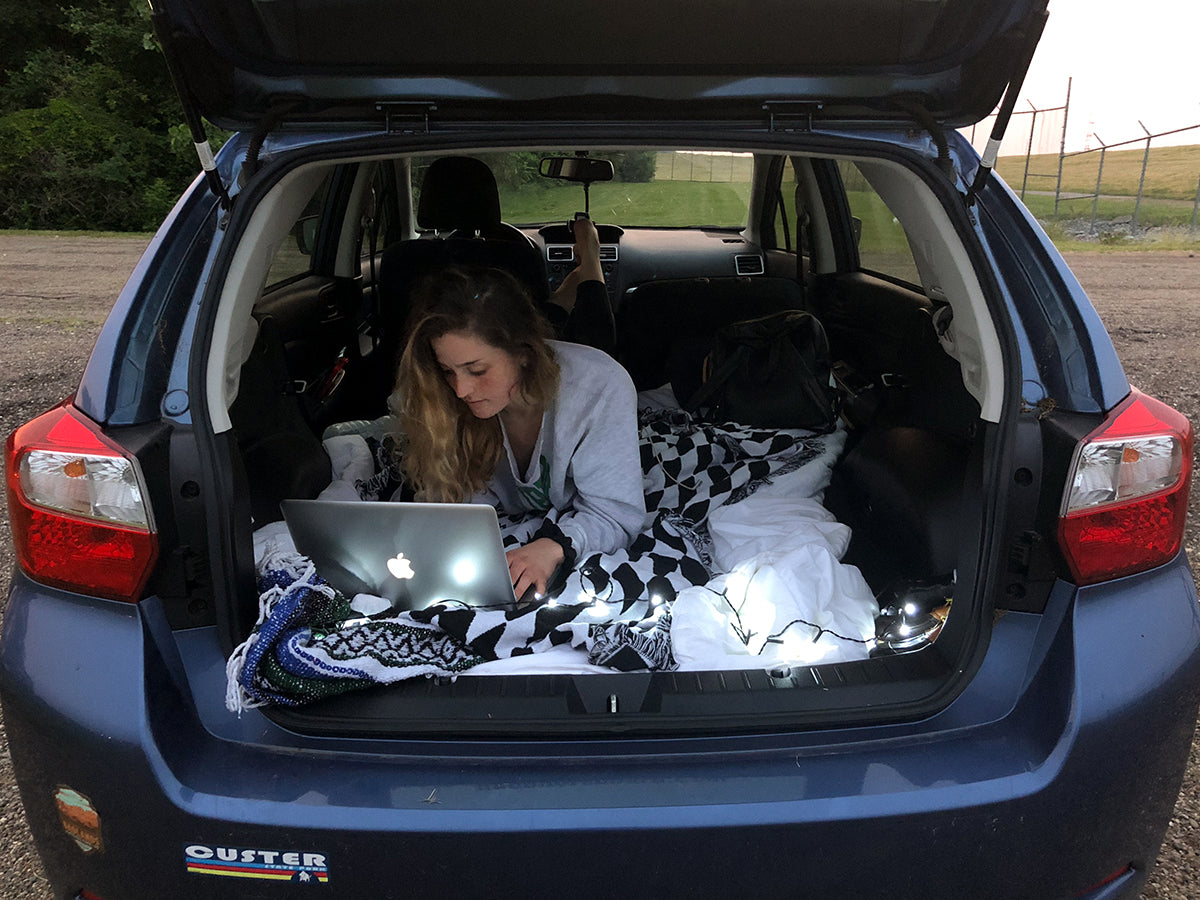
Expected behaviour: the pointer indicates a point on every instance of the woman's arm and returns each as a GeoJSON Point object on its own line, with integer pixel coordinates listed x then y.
{"type": "Point", "coordinates": [609, 507]}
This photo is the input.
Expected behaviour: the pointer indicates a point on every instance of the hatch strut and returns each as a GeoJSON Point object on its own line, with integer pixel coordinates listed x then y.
{"type": "Point", "coordinates": [1004, 114]}
{"type": "Point", "coordinates": [160, 23]}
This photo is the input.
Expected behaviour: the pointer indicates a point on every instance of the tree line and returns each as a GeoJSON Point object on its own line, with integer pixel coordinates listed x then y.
{"type": "Point", "coordinates": [91, 133]}
{"type": "Point", "coordinates": [92, 136]}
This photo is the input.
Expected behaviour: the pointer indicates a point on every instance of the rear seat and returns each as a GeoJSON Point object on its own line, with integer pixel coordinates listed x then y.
{"type": "Point", "coordinates": [912, 427]}
{"type": "Point", "coordinates": [665, 328]}
{"type": "Point", "coordinates": [887, 357]}
{"type": "Point", "coordinates": [281, 454]}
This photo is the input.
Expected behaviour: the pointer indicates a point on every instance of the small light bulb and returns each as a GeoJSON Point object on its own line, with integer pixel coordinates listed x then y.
{"type": "Point", "coordinates": [464, 571]}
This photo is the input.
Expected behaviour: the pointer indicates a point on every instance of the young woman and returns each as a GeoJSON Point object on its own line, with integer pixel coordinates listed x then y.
{"type": "Point", "coordinates": [491, 410]}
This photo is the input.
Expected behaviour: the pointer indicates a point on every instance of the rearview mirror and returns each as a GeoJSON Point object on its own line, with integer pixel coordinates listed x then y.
{"type": "Point", "coordinates": [580, 169]}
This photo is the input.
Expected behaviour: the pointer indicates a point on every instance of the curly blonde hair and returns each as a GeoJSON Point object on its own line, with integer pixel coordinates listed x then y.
{"type": "Point", "coordinates": [448, 454]}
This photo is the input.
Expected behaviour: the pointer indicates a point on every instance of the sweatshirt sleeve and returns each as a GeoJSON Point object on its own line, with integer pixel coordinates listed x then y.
{"type": "Point", "coordinates": [609, 507]}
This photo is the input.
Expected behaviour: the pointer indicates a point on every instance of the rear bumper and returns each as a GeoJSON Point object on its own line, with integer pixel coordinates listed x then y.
{"type": "Point", "coordinates": [1058, 766]}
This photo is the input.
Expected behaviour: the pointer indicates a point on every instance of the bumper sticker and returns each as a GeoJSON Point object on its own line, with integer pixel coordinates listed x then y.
{"type": "Point", "coordinates": [79, 818]}
{"type": "Point", "coordinates": [249, 862]}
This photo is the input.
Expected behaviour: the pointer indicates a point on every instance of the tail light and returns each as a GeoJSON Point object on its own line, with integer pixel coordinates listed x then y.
{"type": "Point", "coordinates": [77, 501]}
{"type": "Point", "coordinates": [1127, 495]}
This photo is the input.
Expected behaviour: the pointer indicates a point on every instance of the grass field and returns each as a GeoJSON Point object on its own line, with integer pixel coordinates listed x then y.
{"type": "Point", "coordinates": [661, 203]}
{"type": "Point", "coordinates": [1172, 172]}
{"type": "Point", "coordinates": [713, 189]}
{"type": "Point", "coordinates": [1151, 213]}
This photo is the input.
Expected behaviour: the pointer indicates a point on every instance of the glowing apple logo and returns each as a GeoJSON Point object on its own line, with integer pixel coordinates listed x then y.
{"type": "Point", "coordinates": [400, 567]}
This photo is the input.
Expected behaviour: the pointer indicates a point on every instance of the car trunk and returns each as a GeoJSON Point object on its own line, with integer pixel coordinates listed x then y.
{"type": "Point", "coordinates": [909, 482]}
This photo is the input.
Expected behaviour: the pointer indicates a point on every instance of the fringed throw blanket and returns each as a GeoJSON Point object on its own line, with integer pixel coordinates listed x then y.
{"type": "Point", "coordinates": [310, 643]}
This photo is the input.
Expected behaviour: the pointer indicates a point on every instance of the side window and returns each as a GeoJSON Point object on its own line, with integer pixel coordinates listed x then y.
{"type": "Point", "coordinates": [295, 255]}
{"type": "Point", "coordinates": [882, 244]}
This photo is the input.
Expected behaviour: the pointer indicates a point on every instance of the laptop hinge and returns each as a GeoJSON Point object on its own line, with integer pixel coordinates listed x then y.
{"type": "Point", "coordinates": [405, 116]}
{"type": "Point", "coordinates": [785, 116]}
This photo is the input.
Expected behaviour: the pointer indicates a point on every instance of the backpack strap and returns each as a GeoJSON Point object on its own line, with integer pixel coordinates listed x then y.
{"type": "Point", "coordinates": [716, 380]}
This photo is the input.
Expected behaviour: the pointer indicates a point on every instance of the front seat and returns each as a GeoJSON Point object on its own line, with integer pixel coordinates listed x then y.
{"type": "Point", "coordinates": [459, 196]}
{"type": "Point", "coordinates": [460, 204]}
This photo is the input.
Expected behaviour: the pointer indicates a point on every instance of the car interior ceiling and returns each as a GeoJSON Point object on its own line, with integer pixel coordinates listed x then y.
{"type": "Point", "coordinates": [913, 393]}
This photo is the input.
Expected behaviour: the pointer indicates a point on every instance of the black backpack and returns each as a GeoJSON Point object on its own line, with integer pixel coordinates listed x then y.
{"type": "Point", "coordinates": [772, 372]}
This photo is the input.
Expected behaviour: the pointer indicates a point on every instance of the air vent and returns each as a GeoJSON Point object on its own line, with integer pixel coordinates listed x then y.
{"type": "Point", "coordinates": [608, 253]}
{"type": "Point", "coordinates": [747, 264]}
{"type": "Point", "coordinates": [560, 254]}
{"type": "Point", "coordinates": [732, 241]}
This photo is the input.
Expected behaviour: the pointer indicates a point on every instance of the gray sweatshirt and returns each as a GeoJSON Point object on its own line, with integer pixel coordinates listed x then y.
{"type": "Point", "coordinates": [585, 474]}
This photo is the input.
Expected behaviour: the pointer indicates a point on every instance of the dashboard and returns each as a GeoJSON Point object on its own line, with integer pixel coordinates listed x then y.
{"type": "Point", "coordinates": [633, 256]}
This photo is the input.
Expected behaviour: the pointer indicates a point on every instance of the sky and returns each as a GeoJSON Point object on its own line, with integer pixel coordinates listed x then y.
{"type": "Point", "coordinates": [1127, 61]}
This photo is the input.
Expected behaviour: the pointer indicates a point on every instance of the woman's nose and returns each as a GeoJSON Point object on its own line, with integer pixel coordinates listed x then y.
{"type": "Point", "coordinates": [461, 386]}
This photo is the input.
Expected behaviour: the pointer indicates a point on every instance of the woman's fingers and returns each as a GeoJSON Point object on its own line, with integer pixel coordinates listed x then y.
{"type": "Point", "coordinates": [519, 571]}
{"type": "Point", "coordinates": [532, 565]}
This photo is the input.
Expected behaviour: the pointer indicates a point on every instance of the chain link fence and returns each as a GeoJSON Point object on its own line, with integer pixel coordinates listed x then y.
{"type": "Point", "coordinates": [1110, 189]}
{"type": "Point", "coordinates": [704, 165]}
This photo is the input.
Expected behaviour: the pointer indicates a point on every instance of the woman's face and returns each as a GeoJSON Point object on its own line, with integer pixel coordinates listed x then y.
{"type": "Point", "coordinates": [484, 377]}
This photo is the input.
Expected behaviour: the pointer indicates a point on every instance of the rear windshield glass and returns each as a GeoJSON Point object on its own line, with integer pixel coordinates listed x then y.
{"type": "Point", "coordinates": [651, 188]}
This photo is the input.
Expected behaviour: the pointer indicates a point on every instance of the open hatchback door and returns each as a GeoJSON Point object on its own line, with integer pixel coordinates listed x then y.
{"type": "Point", "coordinates": [239, 62]}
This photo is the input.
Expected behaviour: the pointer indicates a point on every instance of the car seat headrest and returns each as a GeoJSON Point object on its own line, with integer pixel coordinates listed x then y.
{"type": "Point", "coordinates": [458, 192]}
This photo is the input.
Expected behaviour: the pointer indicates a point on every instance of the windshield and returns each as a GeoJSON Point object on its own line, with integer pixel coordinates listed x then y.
{"type": "Point", "coordinates": [652, 188]}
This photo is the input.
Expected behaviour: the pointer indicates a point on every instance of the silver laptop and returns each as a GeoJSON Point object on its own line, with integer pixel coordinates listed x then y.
{"type": "Point", "coordinates": [413, 554]}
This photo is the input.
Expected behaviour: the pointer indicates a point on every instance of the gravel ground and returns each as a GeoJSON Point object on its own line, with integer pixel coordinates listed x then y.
{"type": "Point", "coordinates": [56, 291]}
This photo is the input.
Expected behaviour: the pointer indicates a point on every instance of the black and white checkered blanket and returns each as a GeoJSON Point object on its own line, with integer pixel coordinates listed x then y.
{"type": "Point", "coordinates": [309, 642]}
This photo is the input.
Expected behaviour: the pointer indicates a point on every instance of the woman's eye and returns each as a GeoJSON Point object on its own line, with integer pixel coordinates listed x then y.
{"type": "Point", "coordinates": [478, 374]}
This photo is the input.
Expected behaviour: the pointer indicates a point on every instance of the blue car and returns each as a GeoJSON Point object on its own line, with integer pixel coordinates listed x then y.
{"type": "Point", "coordinates": [911, 615]}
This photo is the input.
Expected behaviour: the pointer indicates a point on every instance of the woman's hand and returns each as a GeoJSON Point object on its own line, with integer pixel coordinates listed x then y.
{"type": "Point", "coordinates": [533, 565]}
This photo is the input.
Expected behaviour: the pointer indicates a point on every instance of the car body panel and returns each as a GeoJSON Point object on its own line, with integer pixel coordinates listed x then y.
{"type": "Point", "coordinates": [754, 811]}
{"type": "Point", "coordinates": [129, 372]}
{"type": "Point", "coordinates": [1069, 356]}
